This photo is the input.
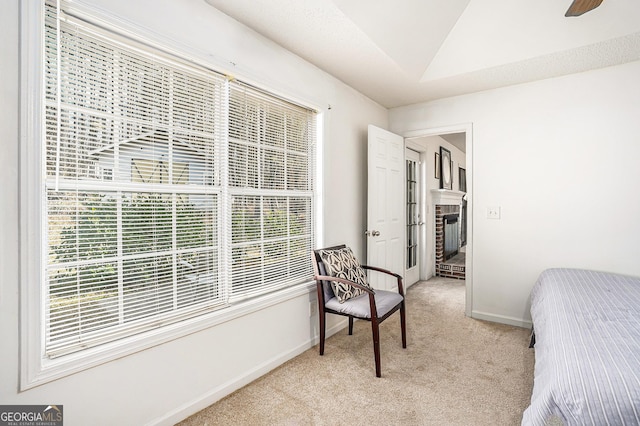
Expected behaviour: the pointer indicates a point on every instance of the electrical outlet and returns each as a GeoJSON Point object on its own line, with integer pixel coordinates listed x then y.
{"type": "Point", "coordinates": [493, 212]}
{"type": "Point", "coordinates": [313, 308]}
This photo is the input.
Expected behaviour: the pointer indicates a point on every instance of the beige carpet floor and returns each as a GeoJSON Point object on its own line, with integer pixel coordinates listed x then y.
{"type": "Point", "coordinates": [455, 371]}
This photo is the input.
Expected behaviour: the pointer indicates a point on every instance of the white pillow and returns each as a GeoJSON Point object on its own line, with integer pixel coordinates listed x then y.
{"type": "Point", "coordinates": [342, 263]}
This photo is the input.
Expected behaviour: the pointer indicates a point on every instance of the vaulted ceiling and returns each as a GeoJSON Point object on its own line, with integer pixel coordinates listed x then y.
{"type": "Point", "coordinates": [400, 52]}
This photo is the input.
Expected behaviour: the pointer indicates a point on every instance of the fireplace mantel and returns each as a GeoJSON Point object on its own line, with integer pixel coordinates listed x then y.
{"type": "Point", "coordinates": [446, 197]}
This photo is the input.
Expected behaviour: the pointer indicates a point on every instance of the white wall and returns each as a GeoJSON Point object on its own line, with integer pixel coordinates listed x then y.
{"type": "Point", "coordinates": [560, 157]}
{"type": "Point", "coordinates": [170, 381]}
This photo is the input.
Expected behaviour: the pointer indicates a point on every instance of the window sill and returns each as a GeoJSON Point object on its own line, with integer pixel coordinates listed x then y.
{"type": "Point", "coordinates": [51, 370]}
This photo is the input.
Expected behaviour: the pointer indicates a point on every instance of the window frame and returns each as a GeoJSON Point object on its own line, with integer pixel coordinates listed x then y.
{"type": "Point", "coordinates": [36, 368]}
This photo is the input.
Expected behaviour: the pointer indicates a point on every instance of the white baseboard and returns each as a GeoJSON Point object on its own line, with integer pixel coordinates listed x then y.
{"type": "Point", "coordinates": [502, 319]}
{"type": "Point", "coordinates": [216, 394]}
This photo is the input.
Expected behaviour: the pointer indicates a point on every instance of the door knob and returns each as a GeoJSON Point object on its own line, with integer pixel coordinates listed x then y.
{"type": "Point", "coordinates": [375, 233]}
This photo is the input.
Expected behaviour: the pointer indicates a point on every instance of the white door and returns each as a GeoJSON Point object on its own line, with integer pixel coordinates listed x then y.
{"type": "Point", "coordinates": [385, 206]}
{"type": "Point", "coordinates": [414, 218]}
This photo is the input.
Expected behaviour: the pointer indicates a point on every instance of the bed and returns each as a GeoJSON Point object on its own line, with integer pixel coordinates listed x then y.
{"type": "Point", "coordinates": [587, 349]}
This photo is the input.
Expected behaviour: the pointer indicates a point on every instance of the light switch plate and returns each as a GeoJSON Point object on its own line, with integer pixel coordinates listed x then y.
{"type": "Point", "coordinates": [493, 212]}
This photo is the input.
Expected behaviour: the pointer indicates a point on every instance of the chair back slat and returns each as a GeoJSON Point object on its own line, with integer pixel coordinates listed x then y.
{"type": "Point", "coordinates": [326, 285]}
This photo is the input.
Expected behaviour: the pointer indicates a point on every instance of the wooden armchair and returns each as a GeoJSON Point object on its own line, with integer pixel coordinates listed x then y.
{"type": "Point", "coordinates": [336, 270]}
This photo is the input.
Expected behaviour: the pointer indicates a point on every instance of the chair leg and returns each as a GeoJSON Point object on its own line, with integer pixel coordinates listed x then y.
{"type": "Point", "coordinates": [321, 317]}
{"type": "Point", "coordinates": [350, 326]}
{"type": "Point", "coordinates": [403, 326]}
{"type": "Point", "coordinates": [376, 345]}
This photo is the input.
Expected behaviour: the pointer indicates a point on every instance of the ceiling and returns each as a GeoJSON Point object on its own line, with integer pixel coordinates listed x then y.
{"type": "Point", "coordinates": [404, 52]}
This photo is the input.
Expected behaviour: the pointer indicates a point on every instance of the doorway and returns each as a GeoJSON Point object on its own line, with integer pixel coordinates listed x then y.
{"type": "Point", "coordinates": [460, 136]}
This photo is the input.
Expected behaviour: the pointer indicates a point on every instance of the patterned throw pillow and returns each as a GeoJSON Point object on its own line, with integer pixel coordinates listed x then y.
{"type": "Point", "coordinates": [342, 263]}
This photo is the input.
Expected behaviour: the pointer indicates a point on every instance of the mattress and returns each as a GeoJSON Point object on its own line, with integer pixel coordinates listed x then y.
{"type": "Point", "coordinates": [587, 349]}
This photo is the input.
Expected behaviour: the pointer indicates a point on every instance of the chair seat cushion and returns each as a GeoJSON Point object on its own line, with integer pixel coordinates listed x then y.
{"type": "Point", "coordinates": [359, 306]}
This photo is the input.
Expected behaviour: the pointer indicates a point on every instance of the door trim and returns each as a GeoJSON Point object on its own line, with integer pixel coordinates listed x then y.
{"type": "Point", "coordinates": [467, 128]}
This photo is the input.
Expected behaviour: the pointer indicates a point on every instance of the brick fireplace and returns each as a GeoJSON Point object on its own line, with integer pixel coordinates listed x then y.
{"type": "Point", "coordinates": [448, 263]}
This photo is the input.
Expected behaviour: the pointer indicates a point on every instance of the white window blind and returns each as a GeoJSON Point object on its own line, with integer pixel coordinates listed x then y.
{"type": "Point", "coordinates": [168, 191]}
{"type": "Point", "coordinates": [271, 145]}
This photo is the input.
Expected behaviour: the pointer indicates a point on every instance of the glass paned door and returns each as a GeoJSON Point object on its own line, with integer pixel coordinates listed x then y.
{"type": "Point", "coordinates": [413, 215]}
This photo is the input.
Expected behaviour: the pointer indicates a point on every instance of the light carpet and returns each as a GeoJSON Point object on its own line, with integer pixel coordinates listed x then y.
{"type": "Point", "coordinates": [454, 371]}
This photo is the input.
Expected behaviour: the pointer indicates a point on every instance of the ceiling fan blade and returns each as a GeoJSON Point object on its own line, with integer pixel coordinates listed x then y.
{"type": "Point", "coordinates": [578, 7]}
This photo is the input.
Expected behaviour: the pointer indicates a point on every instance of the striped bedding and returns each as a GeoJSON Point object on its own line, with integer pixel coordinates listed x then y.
{"type": "Point", "coordinates": [587, 349]}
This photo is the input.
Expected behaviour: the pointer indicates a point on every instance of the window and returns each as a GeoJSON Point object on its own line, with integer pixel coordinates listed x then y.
{"type": "Point", "coordinates": [270, 183]}
{"type": "Point", "coordinates": [168, 190]}
{"type": "Point", "coordinates": [157, 171]}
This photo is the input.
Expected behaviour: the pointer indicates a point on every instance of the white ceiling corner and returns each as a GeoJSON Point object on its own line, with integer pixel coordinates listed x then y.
{"type": "Point", "coordinates": [400, 29]}
{"type": "Point", "coordinates": [400, 53]}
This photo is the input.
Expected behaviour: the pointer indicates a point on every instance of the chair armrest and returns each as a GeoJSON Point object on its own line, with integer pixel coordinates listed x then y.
{"type": "Point", "coordinates": [320, 278]}
{"type": "Point", "coordinates": [385, 271]}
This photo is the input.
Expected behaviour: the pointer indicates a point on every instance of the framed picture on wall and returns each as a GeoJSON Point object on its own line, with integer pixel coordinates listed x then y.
{"type": "Point", "coordinates": [462, 179]}
{"type": "Point", "coordinates": [436, 166]}
{"type": "Point", "coordinates": [445, 169]}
